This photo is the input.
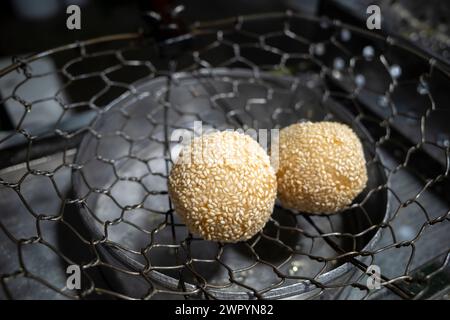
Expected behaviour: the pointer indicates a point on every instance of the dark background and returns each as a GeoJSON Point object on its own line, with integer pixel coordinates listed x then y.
{"type": "Point", "coordinates": [34, 25]}
{"type": "Point", "coordinates": [28, 26]}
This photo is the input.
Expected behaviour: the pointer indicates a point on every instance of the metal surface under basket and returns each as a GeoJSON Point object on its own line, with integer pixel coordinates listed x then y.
{"type": "Point", "coordinates": [101, 165]}
{"type": "Point", "coordinates": [128, 174]}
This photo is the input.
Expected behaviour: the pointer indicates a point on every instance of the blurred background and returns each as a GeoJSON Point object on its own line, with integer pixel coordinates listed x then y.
{"type": "Point", "coordinates": [33, 25]}
{"type": "Point", "coordinates": [41, 24]}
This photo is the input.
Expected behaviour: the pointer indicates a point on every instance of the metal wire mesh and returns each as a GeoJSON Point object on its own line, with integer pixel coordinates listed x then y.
{"type": "Point", "coordinates": [124, 94]}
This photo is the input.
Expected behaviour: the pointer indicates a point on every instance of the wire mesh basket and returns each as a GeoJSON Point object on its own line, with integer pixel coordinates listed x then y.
{"type": "Point", "coordinates": [100, 162]}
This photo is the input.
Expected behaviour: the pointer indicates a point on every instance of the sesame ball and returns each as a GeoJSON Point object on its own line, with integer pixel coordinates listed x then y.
{"type": "Point", "coordinates": [223, 186]}
{"type": "Point", "coordinates": [321, 167]}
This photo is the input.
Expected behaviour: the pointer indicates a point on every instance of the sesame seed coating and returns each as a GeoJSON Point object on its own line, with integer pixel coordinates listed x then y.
{"type": "Point", "coordinates": [223, 186]}
{"type": "Point", "coordinates": [321, 167]}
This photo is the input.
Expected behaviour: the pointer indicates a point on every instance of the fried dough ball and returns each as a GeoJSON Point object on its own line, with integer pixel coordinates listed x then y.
{"type": "Point", "coordinates": [223, 186]}
{"type": "Point", "coordinates": [321, 167]}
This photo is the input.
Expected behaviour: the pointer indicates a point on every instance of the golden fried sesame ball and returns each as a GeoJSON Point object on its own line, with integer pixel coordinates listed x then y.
{"type": "Point", "coordinates": [223, 186]}
{"type": "Point", "coordinates": [321, 167]}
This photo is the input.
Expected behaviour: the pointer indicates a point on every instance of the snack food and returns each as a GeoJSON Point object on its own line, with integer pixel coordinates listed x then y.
{"type": "Point", "coordinates": [321, 167]}
{"type": "Point", "coordinates": [223, 186]}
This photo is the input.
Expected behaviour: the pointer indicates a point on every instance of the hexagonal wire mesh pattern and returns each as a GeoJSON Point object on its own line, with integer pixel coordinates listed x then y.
{"type": "Point", "coordinates": [119, 99]}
